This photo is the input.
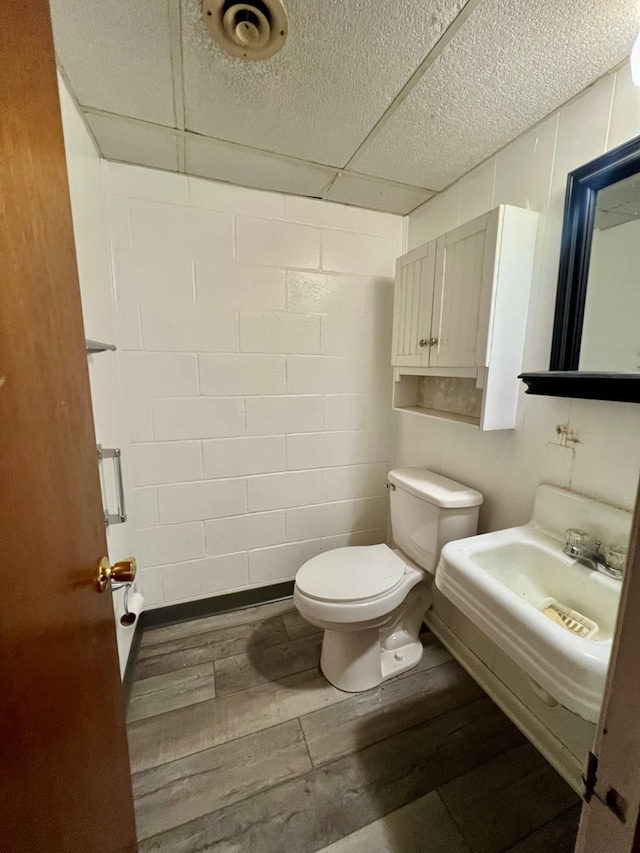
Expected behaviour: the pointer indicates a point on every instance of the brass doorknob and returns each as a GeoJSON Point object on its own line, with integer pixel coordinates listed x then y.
{"type": "Point", "coordinates": [122, 572]}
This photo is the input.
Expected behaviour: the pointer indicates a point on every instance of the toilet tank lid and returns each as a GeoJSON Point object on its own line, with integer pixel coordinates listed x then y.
{"type": "Point", "coordinates": [438, 490]}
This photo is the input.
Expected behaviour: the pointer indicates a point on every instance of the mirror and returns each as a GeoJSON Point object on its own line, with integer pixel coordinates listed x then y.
{"type": "Point", "coordinates": [611, 324]}
{"type": "Point", "coordinates": [595, 352]}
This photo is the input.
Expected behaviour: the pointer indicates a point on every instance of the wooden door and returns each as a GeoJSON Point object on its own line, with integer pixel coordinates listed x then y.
{"type": "Point", "coordinates": [609, 821]}
{"type": "Point", "coordinates": [412, 307]}
{"type": "Point", "coordinates": [64, 770]}
{"type": "Point", "coordinates": [459, 272]}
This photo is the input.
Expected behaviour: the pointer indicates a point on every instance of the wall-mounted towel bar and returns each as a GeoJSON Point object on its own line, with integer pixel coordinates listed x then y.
{"type": "Point", "coordinates": [98, 346]}
{"type": "Point", "coordinates": [114, 453]}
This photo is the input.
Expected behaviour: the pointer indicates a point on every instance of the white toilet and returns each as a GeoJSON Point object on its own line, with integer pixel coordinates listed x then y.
{"type": "Point", "coordinates": [370, 600]}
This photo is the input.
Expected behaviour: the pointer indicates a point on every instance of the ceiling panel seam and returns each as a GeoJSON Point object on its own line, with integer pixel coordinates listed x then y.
{"type": "Point", "coordinates": [388, 181]}
{"type": "Point", "coordinates": [250, 187]}
{"type": "Point", "coordinates": [448, 35]}
{"type": "Point", "coordinates": [182, 135]}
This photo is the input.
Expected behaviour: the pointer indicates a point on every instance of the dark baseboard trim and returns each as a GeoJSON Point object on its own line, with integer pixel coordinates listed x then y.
{"type": "Point", "coordinates": [127, 678]}
{"type": "Point", "coordinates": [217, 604]}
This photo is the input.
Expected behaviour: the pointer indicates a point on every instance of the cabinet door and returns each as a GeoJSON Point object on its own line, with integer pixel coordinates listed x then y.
{"type": "Point", "coordinates": [463, 265]}
{"type": "Point", "coordinates": [412, 307]}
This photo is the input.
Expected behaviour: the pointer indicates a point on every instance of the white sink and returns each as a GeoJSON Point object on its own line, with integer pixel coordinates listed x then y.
{"type": "Point", "coordinates": [503, 582]}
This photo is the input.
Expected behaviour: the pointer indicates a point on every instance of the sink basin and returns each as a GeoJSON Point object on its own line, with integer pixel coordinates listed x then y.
{"type": "Point", "coordinates": [552, 615]}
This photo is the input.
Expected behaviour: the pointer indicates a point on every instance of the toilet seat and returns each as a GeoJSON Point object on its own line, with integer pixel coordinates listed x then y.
{"type": "Point", "coordinates": [334, 589]}
{"type": "Point", "coordinates": [355, 573]}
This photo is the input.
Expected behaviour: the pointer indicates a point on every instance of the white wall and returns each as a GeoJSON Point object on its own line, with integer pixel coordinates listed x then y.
{"type": "Point", "coordinates": [94, 269]}
{"type": "Point", "coordinates": [254, 338]}
{"type": "Point", "coordinates": [531, 172]}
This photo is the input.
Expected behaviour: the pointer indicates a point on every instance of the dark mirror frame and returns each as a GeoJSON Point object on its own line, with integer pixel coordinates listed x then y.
{"type": "Point", "coordinates": [564, 379]}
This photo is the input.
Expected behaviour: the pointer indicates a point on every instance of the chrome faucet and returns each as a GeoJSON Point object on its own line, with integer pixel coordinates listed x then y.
{"type": "Point", "coordinates": [585, 550]}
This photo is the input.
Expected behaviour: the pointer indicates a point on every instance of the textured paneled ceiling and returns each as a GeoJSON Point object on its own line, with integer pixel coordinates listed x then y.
{"type": "Point", "coordinates": [369, 103]}
{"type": "Point", "coordinates": [511, 65]}
{"type": "Point", "coordinates": [318, 99]}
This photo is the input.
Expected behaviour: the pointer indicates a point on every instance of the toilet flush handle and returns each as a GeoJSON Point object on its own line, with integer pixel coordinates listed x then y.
{"type": "Point", "coordinates": [390, 486]}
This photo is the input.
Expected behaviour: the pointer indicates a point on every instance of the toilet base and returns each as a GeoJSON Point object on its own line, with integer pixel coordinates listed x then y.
{"type": "Point", "coordinates": [359, 660]}
{"type": "Point", "coordinates": [355, 661]}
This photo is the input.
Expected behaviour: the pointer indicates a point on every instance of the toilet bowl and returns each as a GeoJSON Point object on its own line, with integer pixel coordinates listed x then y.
{"type": "Point", "coordinates": [370, 600]}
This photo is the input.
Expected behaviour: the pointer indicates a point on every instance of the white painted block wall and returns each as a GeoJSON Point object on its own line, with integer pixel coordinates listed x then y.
{"type": "Point", "coordinates": [94, 270]}
{"type": "Point", "coordinates": [531, 172]}
{"type": "Point", "coordinates": [254, 338]}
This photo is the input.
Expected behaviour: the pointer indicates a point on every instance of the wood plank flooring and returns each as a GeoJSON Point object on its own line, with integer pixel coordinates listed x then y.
{"type": "Point", "coordinates": [239, 745]}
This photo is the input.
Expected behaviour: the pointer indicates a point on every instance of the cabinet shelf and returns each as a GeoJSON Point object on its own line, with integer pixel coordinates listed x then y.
{"type": "Point", "coordinates": [453, 398]}
{"type": "Point", "coordinates": [439, 415]}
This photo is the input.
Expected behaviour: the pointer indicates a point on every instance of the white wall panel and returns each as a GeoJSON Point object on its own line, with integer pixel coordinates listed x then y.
{"type": "Point", "coordinates": [226, 457]}
{"type": "Point", "coordinates": [238, 351]}
{"type": "Point", "coordinates": [200, 501]}
{"type": "Point", "coordinates": [277, 244]}
{"type": "Point", "coordinates": [253, 530]}
{"type": "Point", "coordinates": [269, 565]}
{"type": "Point", "coordinates": [293, 488]}
{"type": "Point", "coordinates": [319, 293]}
{"type": "Point", "coordinates": [197, 417]}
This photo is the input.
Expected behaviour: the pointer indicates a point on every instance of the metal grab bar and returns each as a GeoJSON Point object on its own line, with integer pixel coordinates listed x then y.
{"type": "Point", "coordinates": [114, 453]}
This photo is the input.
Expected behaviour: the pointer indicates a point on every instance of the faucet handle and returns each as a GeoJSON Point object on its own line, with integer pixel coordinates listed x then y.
{"type": "Point", "coordinates": [576, 537]}
{"type": "Point", "coordinates": [615, 557]}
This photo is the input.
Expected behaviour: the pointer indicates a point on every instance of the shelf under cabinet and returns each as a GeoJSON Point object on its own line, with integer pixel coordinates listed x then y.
{"type": "Point", "coordinates": [439, 415]}
{"type": "Point", "coordinates": [453, 398]}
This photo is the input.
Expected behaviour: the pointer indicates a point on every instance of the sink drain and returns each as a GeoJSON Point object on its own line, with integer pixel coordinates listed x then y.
{"type": "Point", "coordinates": [569, 619]}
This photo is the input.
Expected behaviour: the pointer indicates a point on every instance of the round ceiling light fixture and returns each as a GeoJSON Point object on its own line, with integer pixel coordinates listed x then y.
{"type": "Point", "coordinates": [253, 30]}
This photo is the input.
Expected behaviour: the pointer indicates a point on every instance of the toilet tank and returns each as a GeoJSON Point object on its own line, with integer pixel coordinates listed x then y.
{"type": "Point", "coordinates": [428, 510]}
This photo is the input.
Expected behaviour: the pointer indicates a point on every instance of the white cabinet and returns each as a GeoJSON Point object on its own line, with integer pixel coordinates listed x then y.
{"type": "Point", "coordinates": [413, 306]}
{"type": "Point", "coordinates": [465, 259]}
{"type": "Point", "coordinates": [460, 307]}
{"type": "Point", "coordinates": [441, 295]}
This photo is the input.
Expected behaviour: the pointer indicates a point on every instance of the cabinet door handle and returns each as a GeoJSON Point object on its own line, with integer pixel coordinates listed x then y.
{"type": "Point", "coordinates": [423, 342]}
{"type": "Point", "coordinates": [433, 342]}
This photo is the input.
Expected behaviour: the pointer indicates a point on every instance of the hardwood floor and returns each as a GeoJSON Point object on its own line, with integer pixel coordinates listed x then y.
{"type": "Point", "coordinates": [239, 745]}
